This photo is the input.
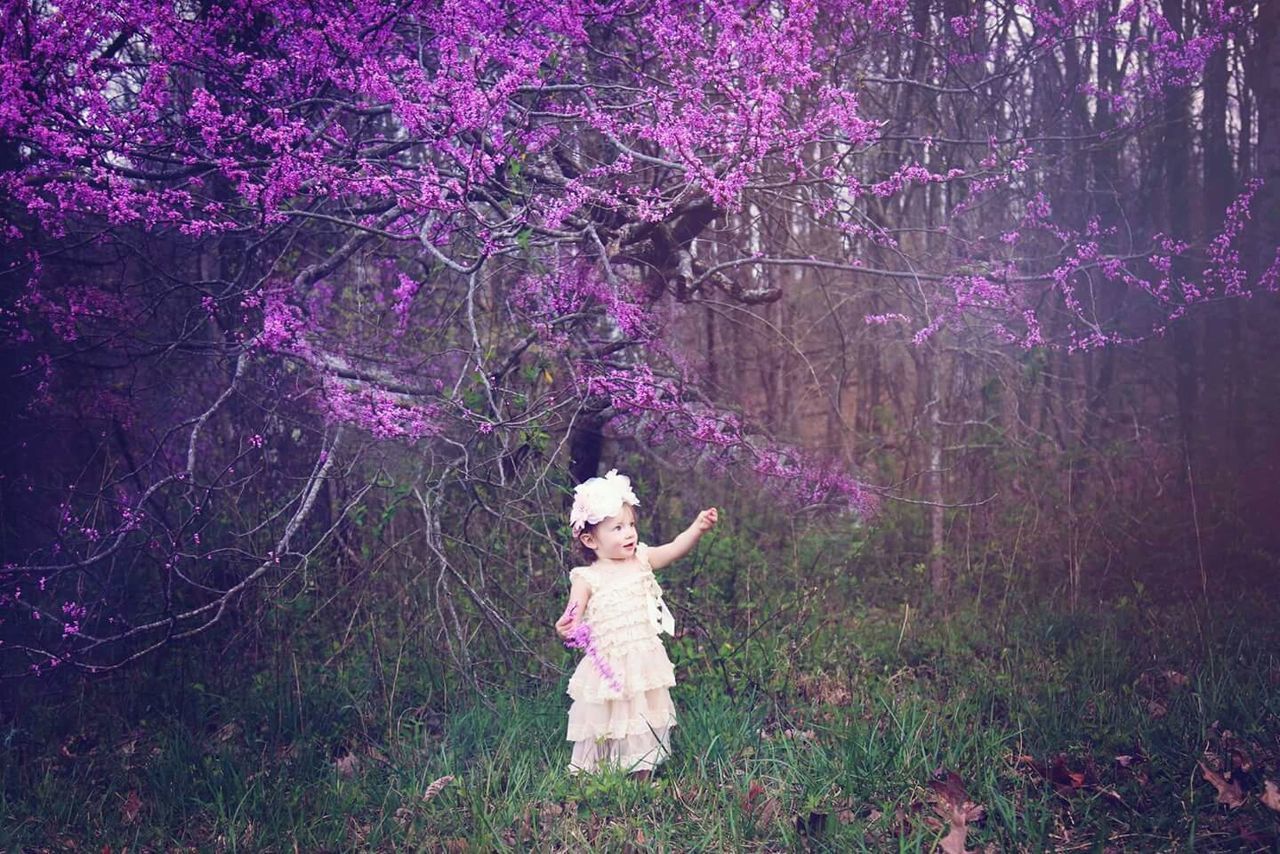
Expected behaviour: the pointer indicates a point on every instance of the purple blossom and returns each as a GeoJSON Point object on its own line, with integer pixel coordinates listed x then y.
{"type": "Point", "coordinates": [580, 638]}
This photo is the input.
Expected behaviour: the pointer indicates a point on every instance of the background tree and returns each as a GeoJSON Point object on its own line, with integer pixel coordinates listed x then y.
{"type": "Point", "coordinates": [277, 274]}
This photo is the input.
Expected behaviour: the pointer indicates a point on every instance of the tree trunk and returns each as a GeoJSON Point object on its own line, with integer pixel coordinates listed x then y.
{"type": "Point", "coordinates": [1175, 154]}
{"type": "Point", "coordinates": [928, 366]}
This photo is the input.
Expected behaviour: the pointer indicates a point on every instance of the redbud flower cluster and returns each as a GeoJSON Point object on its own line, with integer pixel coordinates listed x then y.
{"type": "Point", "coordinates": [580, 638]}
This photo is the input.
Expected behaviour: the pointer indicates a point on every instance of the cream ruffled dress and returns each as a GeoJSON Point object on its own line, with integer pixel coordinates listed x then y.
{"type": "Point", "coordinates": [629, 728]}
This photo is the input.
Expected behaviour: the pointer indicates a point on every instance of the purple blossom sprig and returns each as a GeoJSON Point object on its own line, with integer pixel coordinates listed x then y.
{"type": "Point", "coordinates": [580, 638]}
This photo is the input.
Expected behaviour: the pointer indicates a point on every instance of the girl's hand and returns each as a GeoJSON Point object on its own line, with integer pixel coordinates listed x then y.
{"type": "Point", "coordinates": [568, 622]}
{"type": "Point", "coordinates": [706, 520]}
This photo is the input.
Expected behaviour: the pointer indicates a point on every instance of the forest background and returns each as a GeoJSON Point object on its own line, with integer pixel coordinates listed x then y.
{"type": "Point", "coordinates": [962, 312]}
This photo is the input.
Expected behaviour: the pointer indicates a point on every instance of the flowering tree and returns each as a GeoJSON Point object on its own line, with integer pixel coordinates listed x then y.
{"type": "Point", "coordinates": [242, 239]}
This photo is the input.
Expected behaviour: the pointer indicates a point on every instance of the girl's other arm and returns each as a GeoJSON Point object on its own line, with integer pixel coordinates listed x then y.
{"type": "Point", "coordinates": [579, 595]}
{"type": "Point", "coordinates": [660, 556]}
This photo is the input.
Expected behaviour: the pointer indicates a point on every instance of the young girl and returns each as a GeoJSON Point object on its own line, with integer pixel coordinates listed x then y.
{"type": "Point", "coordinates": [621, 712]}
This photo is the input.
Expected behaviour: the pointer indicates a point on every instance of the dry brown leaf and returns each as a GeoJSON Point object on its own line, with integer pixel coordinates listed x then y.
{"type": "Point", "coordinates": [130, 809]}
{"type": "Point", "coordinates": [357, 831]}
{"type": "Point", "coordinates": [959, 817]}
{"type": "Point", "coordinates": [954, 807]}
{"type": "Point", "coordinates": [948, 786]}
{"type": "Point", "coordinates": [1229, 792]}
{"type": "Point", "coordinates": [1241, 760]}
{"type": "Point", "coordinates": [346, 765]}
{"type": "Point", "coordinates": [1111, 795]}
{"type": "Point", "coordinates": [769, 811]}
{"type": "Point", "coordinates": [436, 786]}
{"type": "Point", "coordinates": [847, 817]}
{"type": "Point", "coordinates": [953, 842]}
{"type": "Point", "coordinates": [900, 825]}
{"type": "Point", "coordinates": [1175, 678]}
{"type": "Point", "coordinates": [226, 732]}
{"type": "Point", "coordinates": [1157, 709]}
{"type": "Point", "coordinates": [1271, 795]}
{"type": "Point", "coordinates": [455, 846]}
{"type": "Point", "coordinates": [1066, 781]}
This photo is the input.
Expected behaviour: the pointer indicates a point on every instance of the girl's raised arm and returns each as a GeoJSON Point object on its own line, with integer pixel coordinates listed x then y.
{"type": "Point", "coordinates": [660, 556]}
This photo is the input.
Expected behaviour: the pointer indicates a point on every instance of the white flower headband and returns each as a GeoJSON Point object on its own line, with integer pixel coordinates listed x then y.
{"type": "Point", "coordinates": [600, 497]}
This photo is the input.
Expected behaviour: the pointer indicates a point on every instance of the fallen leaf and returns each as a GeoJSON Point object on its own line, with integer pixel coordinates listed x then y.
{"type": "Point", "coordinates": [1175, 678]}
{"type": "Point", "coordinates": [357, 831]}
{"type": "Point", "coordinates": [1064, 779]}
{"type": "Point", "coordinates": [1157, 709]}
{"type": "Point", "coordinates": [1229, 793]}
{"type": "Point", "coordinates": [1250, 836]}
{"type": "Point", "coordinates": [550, 812]}
{"type": "Point", "coordinates": [1112, 795]}
{"type": "Point", "coordinates": [436, 786]}
{"type": "Point", "coordinates": [754, 791]}
{"type": "Point", "coordinates": [900, 826]}
{"type": "Point", "coordinates": [1241, 760]}
{"type": "Point", "coordinates": [769, 811]}
{"type": "Point", "coordinates": [130, 809]}
{"type": "Point", "coordinates": [226, 732]}
{"type": "Point", "coordinates": [953, 842]}
{"type": "Point", "coordinates": [76, 746]}
{"type": "Point", "coordinates": [800, 734]}
{"type": "Point", "coordinates": [953, 806]}
{"type": "Point", "coordinates": [847, 817]}
{"type": "Point", "coordinates": [948, 786]}
{"type": "Point", "coordinates": [1271, 795]}
{"type": "Point", "coordinates": [346, 765]}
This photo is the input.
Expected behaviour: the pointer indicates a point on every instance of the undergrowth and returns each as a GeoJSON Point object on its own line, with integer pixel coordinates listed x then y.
{"type": "Point", "coordinates": [848, 731]}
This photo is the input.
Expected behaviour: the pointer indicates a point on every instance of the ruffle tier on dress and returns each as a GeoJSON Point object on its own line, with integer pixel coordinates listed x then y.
{"type": "Point", "coordinates": [626, 724]}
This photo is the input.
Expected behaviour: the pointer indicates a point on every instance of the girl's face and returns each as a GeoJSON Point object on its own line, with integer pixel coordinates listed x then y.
{"type": "Point", "coordinates": [615, 537]}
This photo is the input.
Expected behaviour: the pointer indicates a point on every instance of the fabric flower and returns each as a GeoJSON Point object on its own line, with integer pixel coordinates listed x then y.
{"type": "Point", "coordinates": [599, 498]}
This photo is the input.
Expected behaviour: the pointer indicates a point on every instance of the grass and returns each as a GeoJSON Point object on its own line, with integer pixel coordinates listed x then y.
{"type": "Point", "coordinates": [830, 737]}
